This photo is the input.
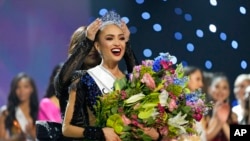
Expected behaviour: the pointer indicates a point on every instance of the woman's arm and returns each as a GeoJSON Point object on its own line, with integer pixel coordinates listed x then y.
{"type": "Point", "coordinates": [226, 130]}
{"type": "Point", "coordinates": [2, 126]}
{"type": "Point", "coordinates": [69, 130]}
{"type": "Point", "coordinates": [74, 62]}
{"type": "Point", "coordinates": [214, 127]}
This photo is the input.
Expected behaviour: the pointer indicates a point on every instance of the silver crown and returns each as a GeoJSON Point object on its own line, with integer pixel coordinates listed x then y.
{"type": "Point", "coordinates": [111, 17]}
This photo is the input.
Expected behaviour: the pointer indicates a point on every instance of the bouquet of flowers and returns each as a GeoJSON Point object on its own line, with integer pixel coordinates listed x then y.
{"type": "Point", "coordinates": [155, 95]}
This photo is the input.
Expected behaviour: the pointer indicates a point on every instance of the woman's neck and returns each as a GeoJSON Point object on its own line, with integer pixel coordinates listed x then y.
{"type": "Point", "coordinates": [25, 106]}
{"type": "Point", "coordinates": [113, 68]}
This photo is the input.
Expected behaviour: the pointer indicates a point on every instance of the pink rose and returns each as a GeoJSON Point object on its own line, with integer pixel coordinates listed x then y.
{"type": "Point", "coordinates": [172, 105]}
{"type": "Point", "coordinates": [148, 80]}
{"type": "Point", "coordinates": [125, 120]}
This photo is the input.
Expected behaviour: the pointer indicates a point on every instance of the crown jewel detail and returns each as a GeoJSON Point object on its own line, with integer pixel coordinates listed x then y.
{"type": "Point", "coordinates": [111, 17]}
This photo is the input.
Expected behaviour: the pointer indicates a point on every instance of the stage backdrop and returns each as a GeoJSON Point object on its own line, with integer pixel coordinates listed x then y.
{"type": "Point", "coordinates": [213, 35]}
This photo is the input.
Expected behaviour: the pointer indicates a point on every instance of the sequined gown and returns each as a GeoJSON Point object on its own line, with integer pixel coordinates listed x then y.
{"type": "Point", "coordinates": [71, 71]}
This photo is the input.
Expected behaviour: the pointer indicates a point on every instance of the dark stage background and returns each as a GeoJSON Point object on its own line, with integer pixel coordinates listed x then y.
{"type": "Point", "coordinates": [213, 35]}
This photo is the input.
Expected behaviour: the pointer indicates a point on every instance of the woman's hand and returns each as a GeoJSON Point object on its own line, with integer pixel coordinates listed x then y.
{"type": "Point", "coordinates": [30, 130]}
{"type": "Point", "coordinates": [125, 31]}
{"type": "Point", "coordinates": [152, 132]}
{"type": "Point", "coordinates": [110, 134]}
{"type": "Point", "coordinates": [222, 112]}
{"type": "Point", "coordinates": [93, 28]}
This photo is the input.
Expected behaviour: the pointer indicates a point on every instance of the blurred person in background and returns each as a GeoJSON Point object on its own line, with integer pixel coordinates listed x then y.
{"type": "Point", "coordinates": [49, 108]}
{"type": "Point", "coordinates": [218, 120]}
{"type": "Point", "coordinates": [195, 82]}
{"type": "Point", "coordinates": [246, 118]}
{"type": "Point", "coordinates": [17, 120]}
{"type": "Point", "coordinates": [240, 84]}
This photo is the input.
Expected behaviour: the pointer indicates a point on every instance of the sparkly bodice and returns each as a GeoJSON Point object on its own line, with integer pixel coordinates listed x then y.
{"type": "Point", "coordinates": [92, 90]}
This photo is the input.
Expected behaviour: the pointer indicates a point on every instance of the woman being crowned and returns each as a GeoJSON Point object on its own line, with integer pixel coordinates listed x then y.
{"type": "Point", "coordinates": [79, 120]}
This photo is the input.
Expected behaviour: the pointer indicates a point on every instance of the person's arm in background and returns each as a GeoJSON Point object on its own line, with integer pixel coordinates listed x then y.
{"type": "Point", "coordinates": [75, 61]}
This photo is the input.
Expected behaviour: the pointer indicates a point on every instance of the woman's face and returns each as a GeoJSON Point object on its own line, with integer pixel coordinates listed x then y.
{"type": "Point", "coordinates": [111, 43]}
{"type": "Point", "coordinates": [239, 89]}
{"type": "Point", "coordinates": [195, 80]}
{"type": "Point", "coordinates": [92, 59]}
{"type": "Point", "coordinates": [24, 90]}
{"type": "Point", "coordinates": [220, 90]}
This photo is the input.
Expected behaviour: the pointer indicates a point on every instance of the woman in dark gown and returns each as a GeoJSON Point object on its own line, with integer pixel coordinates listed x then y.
{"type": "Point", "coordinates": [82, 56]}
{"type": "Point", "coordinates": [79, 118]}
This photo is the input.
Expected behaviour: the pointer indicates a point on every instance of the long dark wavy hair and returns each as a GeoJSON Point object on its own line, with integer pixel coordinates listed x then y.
{"type": "Point", "coordinates": [51, 89]}
{"type": "Point", "coordinates": [13, 101]}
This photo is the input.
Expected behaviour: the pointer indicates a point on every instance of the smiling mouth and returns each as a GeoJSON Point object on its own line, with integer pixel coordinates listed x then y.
{"type": "Point", "coordinates": [116, 51]}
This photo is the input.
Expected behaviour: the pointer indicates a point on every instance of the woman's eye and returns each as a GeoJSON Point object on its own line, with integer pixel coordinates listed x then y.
{"type": "Point", "coordinates": [109, 38]}
{"type": "Point", "coordinates": [122, 38]}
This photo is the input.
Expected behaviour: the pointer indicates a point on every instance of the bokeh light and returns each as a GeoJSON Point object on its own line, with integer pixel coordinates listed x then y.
{"type": "Point", "coordinates": [243, 64]}
{"type": "Point", "coordinates": [223, 36]}
{"type": "Point", "coordinates": [208, 64]}
{"type": "Point", "coordinates": [147, 52]}
{"type": "Point", "coordinates": [178, 11]}
{"type": "Point", "coordinates": [213, 2]}
{"type": "Point", "coordinates": [212, 28]}
{"type": "Point", "coordinates": [103, 11]}
{"type": "Point", "coordinates": [125, 19]}
{"type": "Point", "coordinates": [139, 1]}
{"type": "Point", "coordinates": [243, 10]}
{"type": "Point", "coordinates": [190, 47]}
{"type": "Point", "coordinates": [157, 27]}
{"type": "Point", "coordinates": [199, 33]}
{"type": "Point", "coordinates": [178, 36]}
{"type": "Point", "coordinates": [132, 29]}
{"type": "Point", "coordinates": [145, 15]}
{"type": "Point", "coordinates": [188, 17]}
{"type": "Point", "coordinates": [234, 44]}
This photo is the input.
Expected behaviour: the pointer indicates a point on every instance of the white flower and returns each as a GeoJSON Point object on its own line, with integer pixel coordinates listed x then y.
{"type": "Point", "coordinates": [178, 121]}
{"type": "Point", "coordinates": [154, 113]}
{"type": "Point", "coordinates": [163, 96]}
{"type": "Point", "coordinates": [135, 98]}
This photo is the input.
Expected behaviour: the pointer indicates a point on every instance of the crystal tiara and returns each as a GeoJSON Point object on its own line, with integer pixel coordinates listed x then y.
{"type": "Point", "coordinates": [111, 17]}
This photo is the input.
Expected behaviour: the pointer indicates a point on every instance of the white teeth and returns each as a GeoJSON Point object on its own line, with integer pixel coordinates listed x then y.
{"type": "Point", "coordinates": [116, 50]}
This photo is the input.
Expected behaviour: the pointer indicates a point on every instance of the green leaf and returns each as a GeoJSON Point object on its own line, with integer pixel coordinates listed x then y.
{"type": "Point", "coordinates": [127, 128]}
{"type": "Point", "coordinates": [175, 89]}
{"type": "Point", "coordinates": [114, 110]}
{"type": "Point", "coordinates": [146, 113]}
